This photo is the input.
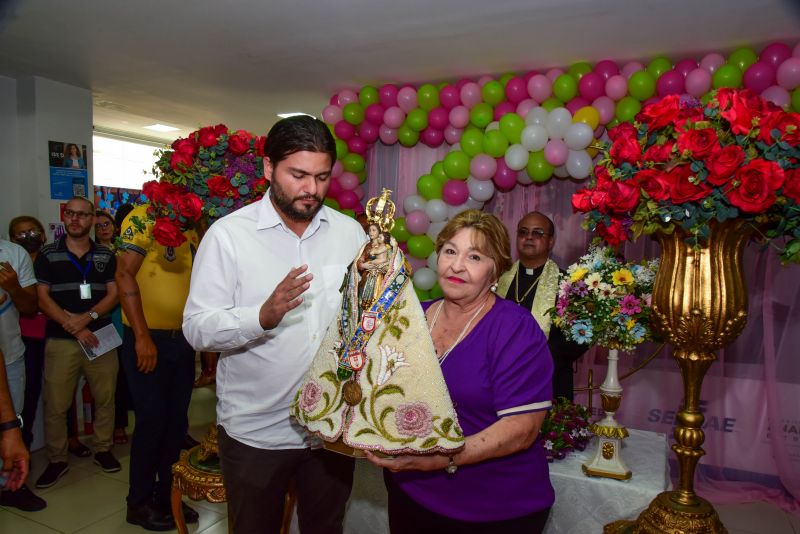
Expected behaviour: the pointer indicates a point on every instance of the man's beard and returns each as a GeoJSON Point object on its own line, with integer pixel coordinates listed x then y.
{"type": "Point", "coordinates": [78, 234]}
{"type": "Point", "coordinates": [286, 204]}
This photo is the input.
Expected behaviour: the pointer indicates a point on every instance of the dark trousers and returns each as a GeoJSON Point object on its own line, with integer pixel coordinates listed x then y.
{"type": "Point", "coordinates": [406, 516]}
{"type": "Point", "coordinates": [256, 481]}
{"type": "Point", "coordinates": [122, 401]}
{"type": "Point", "coordinates": [161, 404]}
{"type": "Point", "coordinates": [34, 371]}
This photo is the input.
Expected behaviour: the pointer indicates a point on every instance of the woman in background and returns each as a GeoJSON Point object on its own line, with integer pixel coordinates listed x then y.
{"type": "Point", "coordinates": [73, 158]}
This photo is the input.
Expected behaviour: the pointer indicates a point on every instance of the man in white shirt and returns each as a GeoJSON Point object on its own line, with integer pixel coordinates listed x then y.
{"type": "Point", "coordinates": [264, 288]}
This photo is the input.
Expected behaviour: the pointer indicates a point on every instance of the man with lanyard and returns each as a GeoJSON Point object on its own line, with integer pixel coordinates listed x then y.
{"type": "Point", "coordinates": [532, 282]}
{"type": "Point", "coordinates": [269, 324]}
{"type": "Point", "coordinates": [77, 292]}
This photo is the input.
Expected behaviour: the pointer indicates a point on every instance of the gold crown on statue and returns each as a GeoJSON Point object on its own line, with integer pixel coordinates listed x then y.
{"type": "Point", "coordinates": [380, 211]}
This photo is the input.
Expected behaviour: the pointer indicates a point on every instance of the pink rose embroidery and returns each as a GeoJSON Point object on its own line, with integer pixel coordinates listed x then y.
{"type": "Point", "coordinates": [414, 419]}
{"type": "Point", "coordinates": [310, 396]}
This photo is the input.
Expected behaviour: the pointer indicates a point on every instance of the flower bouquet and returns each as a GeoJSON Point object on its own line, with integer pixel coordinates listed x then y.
{"type": "Point", "coordinates": [683, 165]}
{"type": "Point", "coordinates": [565, 428]}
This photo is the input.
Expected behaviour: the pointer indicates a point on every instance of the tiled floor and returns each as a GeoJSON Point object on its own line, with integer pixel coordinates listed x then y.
{"type": "Point", "coordinates": [88, 501]}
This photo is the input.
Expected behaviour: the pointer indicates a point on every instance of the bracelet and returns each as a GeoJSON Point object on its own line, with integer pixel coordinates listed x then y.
{"type": "Point", "coordinates": [9, 425]}
{"type": "Point", "coordinates": [451, 466]}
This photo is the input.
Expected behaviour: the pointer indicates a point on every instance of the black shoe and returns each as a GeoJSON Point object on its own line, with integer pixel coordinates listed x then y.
{"type": "Point", "coordinates": [107, 462]}
{"type": "Point", "coordinates": [23, 498]}
{"type": "Point", "coordinates": [81, 451]}
{"type": "Point", "coordinates": [189, 442]}
{"type": "Point", "coordinates": [149, 517]}
{"type": "Point", "coordinates": [52, 473]}
{"type": "Point", "coordinates": [189, 514]}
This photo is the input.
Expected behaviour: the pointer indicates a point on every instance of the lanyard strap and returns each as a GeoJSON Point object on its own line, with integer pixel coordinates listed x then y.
{"type": "Point", "coordinates": [84, 272]}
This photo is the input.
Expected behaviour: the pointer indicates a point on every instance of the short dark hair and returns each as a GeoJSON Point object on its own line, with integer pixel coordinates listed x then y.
{"type": "Point", "coordinates": [297, 134]}
{"type": "Point", "coordinates": [548, 219]}
{"type": "Point", "coordinates": [24, 219]}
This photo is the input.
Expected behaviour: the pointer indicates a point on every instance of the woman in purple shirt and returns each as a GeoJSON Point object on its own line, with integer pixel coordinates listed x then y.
{"type": "Point", "coordinates": [498, 369]}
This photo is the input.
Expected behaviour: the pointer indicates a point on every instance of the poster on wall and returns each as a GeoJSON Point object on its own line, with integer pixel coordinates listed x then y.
{"type": "Point", "coordinates": [69, 176]}
{"type": "Point", "coordinates": [111, 198]}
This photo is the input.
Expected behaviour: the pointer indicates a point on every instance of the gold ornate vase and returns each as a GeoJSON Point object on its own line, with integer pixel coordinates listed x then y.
{"type": "Point", "coordinates": [699, 306]}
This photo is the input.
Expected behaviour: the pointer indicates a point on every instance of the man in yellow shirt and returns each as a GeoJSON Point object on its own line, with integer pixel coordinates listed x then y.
{"type": "Point", "coordinates": [153, 285]}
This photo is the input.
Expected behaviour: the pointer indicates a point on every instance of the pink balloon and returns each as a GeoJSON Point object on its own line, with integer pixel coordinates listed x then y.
{"type": "Point", "coordinates": [347, 200]}
{"type": "Point", "coordinates": [368, 132]}
{"type": "Point", "coordinates": [346, 96]}
{"type": "Point", "coordinates": [387, 135]}
{"type": "Point", "coordinates": [670, 83]}
{"type": "Point", "coordinates": [759, 76]}
{"type": "Point", "coordinates": [606, 69]}
{"type": "Point", "coordinates": [630, 67]}
{"type": "Point", "coordinates": [438, 118]}
{"type": "Point", "coordinates": [516, 90]}
{"type": "Point", "coordinates": [374, 114]}
{"type": "Point", "coordinates": [337, 169]}
{"type": "Point", "coordinates": [777, 95]}
{"type": "Point", "coordinates": [528, 75]}
{"type": "Point", "coordinates": [394, 117]}
{"type": "Point", "coordinates": [540, 88]}
{"type": "Point", "coordinates": [576, 103]}
{"type": "Point", "coordinates": [651, 100]}
{"type": "Point", "coordinates": [483, 167]}
{"type": "Point", "coordinates": [432, 137]}
{"type": "Point", "coordinates": [685, 66]}
{"type": "Point", "coordinates": [552, 74]}
{"type": "Point", "coordinates": [348, 181]}
{"type": "Point", "coordinates": [789, 73]}
{"type": "Point", "coordinates": [503, 108]}
{"type": "Point", "coordinates": [334, 100]}
{"type": "Point", "coordinates": [417, 222]}
{"type": "Point", "coordinates": [698, 82]}
{"type": "Point", "coordinates": [388, 95]}
{"type": "Point", "coordinates": [712, 62]}
{"type": "Point", "coordinates": [335, 189]}
{"type": "Point", "coordinates": [449, 97]}
{"type": "Point", "coordinates": [525, 106]}
{"type": "Point", "coordinates": [470, 95]}
{"type": "Point", "coordinates": [461, 83]}
{"type": "Point", "coordinates": [452, 134]}
{"type": "Point", "coordinates": [332, 114]}
{"type": "Point", "coordinates": [505, 178]}
{"type": "Point", "coordinates": [455, 192]}
{"type": "Point", "coordinates": [357, 145]}
{"type": "Point", "coordinates": [416, 263]}
{"type": "Point", "coordinates": [360, 192]}
{"type": "Point", "coordinates": [606, 108]}
{"type": "Point", "coordinates": [459, 116]}
{"type": "Point", "coordinates": [591, 86]}
{"type": "Point", "coordinates": [775, 54]}
{"type": "Point", "coordinates": [344, 130]}
{"type": "Point", "coordinates": [617, 87]}
{"type": "Point", "coordinates": [556, 152]}
{"type": "Point", "coordinates": [483, 80]}
{"type": "Point", "coordinates": [407, 99]}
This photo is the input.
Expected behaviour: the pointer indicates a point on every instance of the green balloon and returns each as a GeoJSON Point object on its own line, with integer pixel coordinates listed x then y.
{"type": "Point", "coordinates": [456, 165]}
{"type": "Point", "coordinates": [727, 75]}
{"type": "Point", "coordinates": [493, 93]}
{"type": "Point", "coordinates": [743, 58]}
{"type": "Point", "coordinates": [400, 232]}
{"type": "Point", "coordinates": [796, 100]}
{"type": "Point", "coordinates": [495, 143]}
{"type": "Point", "coordinates": [552, 103]}
{"type": "Point", "coordinates": [428, 97]}
{"type": "Point", "coordinates": [511, 125]}
{"type": "Point", "coordinates": [437, 170]}
{"type": "Point", "coordinates": [627, 108]}
{"type": "Point", "coordinates": [429, 187]}
{"type": "Point", "coordinates": [417, 119]}
{"type": "Point", "coordinates": [422, 295]}
{"type": "Point", "coordinates": [505, 77]}
{"type": "Point", "coordinates": [368, 95]}
{"type": "Point", "coordinates": [407, 136]}
{"type": "Point", "coordinates": [538, 169]}
{"type": "Point", "coordinates": [441, 179]}
{"type": "Point", "coordinates": [353, 162]}
{"type": "Point", "coordinates": [565, 87]}
{"type": "Point", "coordinates": [420, 246]}
{"type": "Point", "coordinates": [349, 212]}
{"type": "Point", "coordinates": [442, 85]}
{"type": "Point", "coordinates": [341, 149]}
{"type": "Point", "coordinates": [331, 203]}
{"type": "Point", "coordinates": [641, 85]}
{"type": "Point", "coordinates": [436, 292]}
{"type": "Point", "coordinates": [472, 142]}
{"type": "Point", "coordinates": [353, 113]}
{"type": "Point", "coordinates": [481, 115]}
{"type": "Point", "coordinates": [577, 70]}
{"type": "Point", "coordinates": [613, 122]}
{"type": "Point", "coordinates": [362, 175]}
{"type": "Point", "coordinates": [659, 66]}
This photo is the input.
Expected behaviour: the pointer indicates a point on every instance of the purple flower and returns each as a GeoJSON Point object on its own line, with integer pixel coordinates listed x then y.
{"type": "Point", "coordinates": [630, 305]}
{"type": "Point", "coordinates": [310, 396]}
{"type": "Point", "coordinates": [580, 288]}
{"type": "Point", "coordinates": [561, 306]}
{"type": "Point", "coordinates": [414, 419]}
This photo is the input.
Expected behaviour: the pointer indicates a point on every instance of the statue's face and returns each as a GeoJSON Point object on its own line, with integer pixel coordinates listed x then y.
{"type": "Point", "coordinates": [373, 231]}
{"type": "Point", "coordinates": [381, 239]}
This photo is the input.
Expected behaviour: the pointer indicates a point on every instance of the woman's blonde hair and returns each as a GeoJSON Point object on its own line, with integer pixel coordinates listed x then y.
{"type": "Point", "coordinates": [490, 236]}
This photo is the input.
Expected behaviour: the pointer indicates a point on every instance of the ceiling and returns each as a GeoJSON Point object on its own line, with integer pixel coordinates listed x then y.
{"type": "Point", "coordinates": [241, 62]}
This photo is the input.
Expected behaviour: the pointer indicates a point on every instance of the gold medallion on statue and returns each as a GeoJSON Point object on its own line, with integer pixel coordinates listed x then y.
{"type": "Point", "coordinates": [352, 393]}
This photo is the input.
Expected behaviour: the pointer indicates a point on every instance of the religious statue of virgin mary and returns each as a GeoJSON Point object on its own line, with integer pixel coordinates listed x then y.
{"type": "Point", "coordinates": [375, 382]}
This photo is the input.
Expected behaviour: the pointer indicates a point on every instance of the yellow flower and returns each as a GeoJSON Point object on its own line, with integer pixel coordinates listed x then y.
{"type": "Point", "coordinates": [630, 324]}
{"type": "Point", "coordinates": [578, 274]}
{"type": "Point", "coordinates": [622, 277]}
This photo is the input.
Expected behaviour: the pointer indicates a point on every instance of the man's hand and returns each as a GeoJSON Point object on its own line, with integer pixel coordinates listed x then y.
{"type": "Point", "coordinates": [76, 322]}
{"type": "Point", "coordinates": [146, 354]}
{"type": "Point", "coordinates": [8, 277]}
{"type": "Point", "coordinates": [286, 297]}
{"type": "Point", "coordinates": [86, 337]}
{"type": "Point", "coordinates": [15, 458]}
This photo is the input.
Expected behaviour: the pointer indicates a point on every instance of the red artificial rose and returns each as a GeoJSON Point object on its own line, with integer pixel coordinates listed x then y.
{"type": "Point", "coordinates": [788, 124]}
{"type": "Point", "coordinates": [659, 153]}
{"type": "Point", "coordinates": [220, 129]}
{"type": "Point", "coordinates": [742, 108]}
{"type": "Point", "coordinates": [655, 183]}
{"type": "Point", "coordinates": [207, 137]}
{"type": "Point", "coordinates": [725, 97]}
{"type": "Point", "coordinates": [190, 206]}
{"type": "Point", "coordinates": [219, 186]}
{"type": "Point", "coordinates": [239, 142]}
{"type": "Point", "coordinates": [181, 161]}
{"type": "Point", "coordinates": [626, 147]}
{"type": "Point", "coordinates": [621, 129]}
{"type": "Point", "coordinates": [160, 193]}
{"type": "Point", "coordinates": [260, 185]}
{"type": "Point", "coordinates": [167, 233]}
{"type": "Point", "coordinates": [660, 114]}
{"type": "Point", "coordinates": [758, 182]}
{"type": "Point", "coordinates": [187, 146]}
{"type": "Point", "coordinates": [686, 116]}
{"type": "Point", "coordinates": [722, 163]}
{"type": "Point", "coordinates": [260, 140]}
{"type": "Point", "coordinates": [791, 187]}
{"type": "Point", "coordinates": [614, 234]}
{"type": "Point", "coordinates": [681, 189]}
{"type": "Point", "coordinates": [581, 201]}
{"type": "Point", "coordinates": [622, 196]}
{"type": "Point", "coordinates": [699, 142]}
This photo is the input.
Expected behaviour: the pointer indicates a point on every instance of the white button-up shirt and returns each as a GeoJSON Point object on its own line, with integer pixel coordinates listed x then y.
{"type": "Point", "coordinates": [241, 260]}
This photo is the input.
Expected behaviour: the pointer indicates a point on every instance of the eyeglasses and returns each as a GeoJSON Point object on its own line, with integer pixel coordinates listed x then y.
{"type": "Point", "coordinates": [69, 214]}
{"type": "Point", "coordinates": [27, 234]}
{"type": "Point", "coordinates": [536, 233]}
{"type": "Point", "coordinates": [102, 225]}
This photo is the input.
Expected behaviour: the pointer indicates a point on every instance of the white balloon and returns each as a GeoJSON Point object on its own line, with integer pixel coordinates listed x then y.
{"type": "Point", "coordinates": [558, 120]}
{"type": "Point", "coordinates": [537, 115]}
{"type": "Point", "coordinates": [480, 190]}
{"type": "Point", "coordinates": [436, 210]}
{"type": "Point", "coordinates": [523, 178]}
{"type": "Point", "coordinates": [452, 211]}
{"type": "Point", "coordinates": [494, 125]}
{"type": "Point", "coordinates": [473, 204]}
{"type": "Point", "coordinates": [424, 278]}
{"type": "Point", "coordinates": [516, 157]}
{"type": "Point", "coordinates": [414, 203]}
{"type": "Point", "coordinates": [434, 229]}
{"type": "Point", "coordinates": [561, 171]}
{"type": "Point", "coordinates": [534, 137]}
{"type": "Point", "coordinates": [433, 260]}
{"type": "Point", "coordinates": [455, 148]}
{"type": "Point", "coordinates": [578, 136]}
{"type": "Point", "coordinates": [579, 164]}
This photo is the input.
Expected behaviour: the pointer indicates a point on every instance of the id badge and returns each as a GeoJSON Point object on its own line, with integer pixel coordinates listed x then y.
{"type": "Point", "coordinates": [86, 291]}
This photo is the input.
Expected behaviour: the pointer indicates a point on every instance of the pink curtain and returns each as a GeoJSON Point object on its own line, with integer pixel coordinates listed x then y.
{"type": "Point", "coordinates": [751, 396]}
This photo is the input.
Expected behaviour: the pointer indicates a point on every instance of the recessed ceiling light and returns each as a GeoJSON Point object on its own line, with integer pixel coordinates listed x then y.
{"type": "Point", "coordinates": [292, 114]}
{"type": "Point", "coordinates": [161, 128]}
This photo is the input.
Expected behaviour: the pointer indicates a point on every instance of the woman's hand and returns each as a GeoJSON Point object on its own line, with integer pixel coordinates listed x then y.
{"type": "Point", "coordinates": [410, 462]}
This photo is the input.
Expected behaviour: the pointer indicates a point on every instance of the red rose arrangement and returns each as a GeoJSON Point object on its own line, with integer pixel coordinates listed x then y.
{"type": "Point", "coordinates": [206, 175]}
{"type": "Point", "coordinates": [682, 165]}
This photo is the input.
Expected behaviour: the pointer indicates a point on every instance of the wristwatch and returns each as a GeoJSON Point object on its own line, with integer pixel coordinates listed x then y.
{"type": "Point", "coordinates": [94, 315]}
{"type": "Point", "coordinates": [451, 466]}
{"type": "Point", "coordinates": [14, 423]}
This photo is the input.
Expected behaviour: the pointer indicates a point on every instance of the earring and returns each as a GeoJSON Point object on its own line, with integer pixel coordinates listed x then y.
{"type": "Point", "coordinates": [493, 287]}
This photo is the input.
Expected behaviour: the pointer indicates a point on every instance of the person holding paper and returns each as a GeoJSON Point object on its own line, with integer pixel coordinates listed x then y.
{"type": "Point", "coordinates": [76, 291]}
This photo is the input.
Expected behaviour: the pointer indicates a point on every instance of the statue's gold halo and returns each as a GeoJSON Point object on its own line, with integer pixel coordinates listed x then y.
{"type": "Point", "coordinates": [380, 211]}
